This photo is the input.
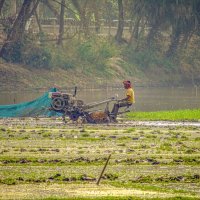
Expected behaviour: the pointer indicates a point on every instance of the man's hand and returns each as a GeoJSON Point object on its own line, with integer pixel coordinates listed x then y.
{"type": "Point", "coordinates": [120, 100]}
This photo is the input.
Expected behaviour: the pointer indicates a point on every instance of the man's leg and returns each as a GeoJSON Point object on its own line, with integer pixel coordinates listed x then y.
{"type": "Point", "coordinates": [116, 108]}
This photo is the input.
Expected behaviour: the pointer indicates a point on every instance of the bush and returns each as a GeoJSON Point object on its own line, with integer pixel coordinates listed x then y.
{"type": "Point", "coordinates": [37, 57]}
{"type": "Point", "coordinates": [60, 59]}
{"type": "Point", "coordinates": [106, 50]}
{"type": "Point", "coordinates": [12, 52]}
{"type": "Point", "coordinates": [147, 58]}
{"type": "Point", "coordinates": [96, 51]}
{"type": "Point", "coordinates": [8, 181]}
{"type": "Point", "coordinates": [26, 52]}
{"type": "Point", "coordinates": [86, 51]}
{"type": "Point", "coordinates": [91, 54]}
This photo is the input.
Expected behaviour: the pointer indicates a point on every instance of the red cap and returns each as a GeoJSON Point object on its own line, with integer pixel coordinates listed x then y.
{"type": "Point", "coordinates": [127, 83]}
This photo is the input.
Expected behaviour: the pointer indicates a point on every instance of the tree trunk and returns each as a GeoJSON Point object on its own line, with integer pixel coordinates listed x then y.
{"type": "Point", "coordinates": [118, 36]}
{"type": "Point", "coordinates": [61, 28]}
{"type": "Point", "coordinates": [97, 22]}
{"type": "Point", "coordinates": [152, 33]}
{"type": "Point", "coordinates": [18, 5]}
{"type": "Point", "coordinates": [38, 22]}
{"type": "Point", "coordinates": [175, 38]}
{"type": "Point", "coordinates": [53, 10]}
{"type": "Point", "coordinates": [96, 15]}
{"type": "Point", "coordinates": [84, 22]}
{"type": "Point", "coordinates": [82, 12]}
{"type": "Point", "coordinates": [16, 34]}
{"type": "Point", "coordinates": [186, 37]}
{"type": "Point", "coordinates": [17, 31]}
{"type": "Point", "coordinates": [135, 31]}
{"type": "Point", "coordinates": [1, 6]}
{"type": "Point", "coordinates": [108, 8]}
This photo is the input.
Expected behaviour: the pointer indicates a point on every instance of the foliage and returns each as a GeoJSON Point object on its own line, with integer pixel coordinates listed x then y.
{"type": "Point", "coordinates": [60, 58]}
{"type": "Point", "coordinates": [96, 51]}
{"type": "Point", "coordinates": [37, 57]}
{"type": "Point", "coordinates": [14, 50]}
{"type": "Point", "coordinates": [148, 58]}
{"type": "Point", "coordinates": [86, 52]}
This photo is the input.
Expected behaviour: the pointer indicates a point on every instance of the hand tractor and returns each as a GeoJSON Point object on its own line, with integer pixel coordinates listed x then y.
{"type": "Point", "coordinates": [75, 109]}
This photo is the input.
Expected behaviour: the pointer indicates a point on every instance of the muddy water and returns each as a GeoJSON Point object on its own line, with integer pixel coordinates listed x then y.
{"type": "Point", "coordinates": [147, 99]}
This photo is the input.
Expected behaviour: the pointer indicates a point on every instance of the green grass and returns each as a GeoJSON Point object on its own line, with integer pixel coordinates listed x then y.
{"type": "Point", "coordinates": [179, 115]}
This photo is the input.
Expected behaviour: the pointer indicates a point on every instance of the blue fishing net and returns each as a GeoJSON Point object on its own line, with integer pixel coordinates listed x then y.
{"type": "Point", "coordinates": [36, 108]}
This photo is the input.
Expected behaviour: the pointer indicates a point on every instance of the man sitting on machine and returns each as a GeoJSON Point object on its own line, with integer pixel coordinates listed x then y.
{"type": "Point", "coordinates": [126, 102]}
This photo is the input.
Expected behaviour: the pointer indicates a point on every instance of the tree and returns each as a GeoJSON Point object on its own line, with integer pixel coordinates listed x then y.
{"type": "Point", "coordinates": [81, 8]}
{"type": "Point", "coordinates": [1, 6]}
{"type": "Point", "coordinates": [38, 22]}
{"type": "Point", "coordinates": [51, 8]}
{"type": "Point", "coordinates": [118, 36]}
{"type": "Point", "coordinates": [181, 18]}
{"type": "Point", "coordinates": [184, 24]}
{"type": "Point", "coordinates": [10, 50]}
{"type": "Point", "coordinates": [137, 14]}
{"type": "Point", "coordinates": [95, 8]}
{"type": "Point", "coordinates": [61, 27]}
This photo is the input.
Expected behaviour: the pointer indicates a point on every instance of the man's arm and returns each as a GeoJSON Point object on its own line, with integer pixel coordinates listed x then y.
{"type": "Point", "coordinates": [125, 99]}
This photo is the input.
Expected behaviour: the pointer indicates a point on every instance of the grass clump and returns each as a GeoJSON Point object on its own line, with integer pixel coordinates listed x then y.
{"type": "Point", "coordinates": [8, 181]}
{"type": "Point", "coordinates": [129, 130]}
{"type": "Point", "coordinates": [179, 115]}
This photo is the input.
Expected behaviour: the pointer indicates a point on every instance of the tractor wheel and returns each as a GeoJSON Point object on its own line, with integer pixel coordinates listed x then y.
{"type": "Point", "coordinates": [58, 103]}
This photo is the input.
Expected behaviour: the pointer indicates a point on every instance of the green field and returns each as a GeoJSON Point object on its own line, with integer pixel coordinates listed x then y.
{"type": "Point", "coordinates": [177, 115]}
{"type": "Point", "coordinates": [57, 161]}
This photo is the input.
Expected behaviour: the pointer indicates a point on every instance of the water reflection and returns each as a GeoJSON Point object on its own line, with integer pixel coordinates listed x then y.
{"type": "Point", "coordinates": [147, 99]}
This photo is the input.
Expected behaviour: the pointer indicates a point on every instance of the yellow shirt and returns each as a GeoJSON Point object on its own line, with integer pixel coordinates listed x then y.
{"type": "Point", "coordinates": [130, 95]}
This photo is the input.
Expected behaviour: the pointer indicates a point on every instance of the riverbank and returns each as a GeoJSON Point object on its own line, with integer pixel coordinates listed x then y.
{"type": "Point", "coordinates": [47, 159]}
{"type": "Point", "coordinates": [21, 77]}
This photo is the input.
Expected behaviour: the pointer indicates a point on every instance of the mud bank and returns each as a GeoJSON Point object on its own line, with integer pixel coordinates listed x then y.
{"type": "Point", "coordinates": [121, 123]}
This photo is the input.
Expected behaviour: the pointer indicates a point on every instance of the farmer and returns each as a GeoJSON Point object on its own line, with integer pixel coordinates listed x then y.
{"type": "Point", "coordinates": [126, 102]}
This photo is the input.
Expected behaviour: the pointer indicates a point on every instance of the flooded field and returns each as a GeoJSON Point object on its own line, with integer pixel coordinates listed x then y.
{"type": "Point", "coordinates": [55, 160]}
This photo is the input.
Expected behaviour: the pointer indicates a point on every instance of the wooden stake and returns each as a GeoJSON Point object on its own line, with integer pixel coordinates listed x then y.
{"type": "Point", "coordinates": [103, 169]}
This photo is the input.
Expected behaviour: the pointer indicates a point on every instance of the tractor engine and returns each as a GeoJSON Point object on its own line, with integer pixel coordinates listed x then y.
{"type": "Point", "coordinates": [61, 101]}
{"type": "Point", "coordinates": [67, 105]}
